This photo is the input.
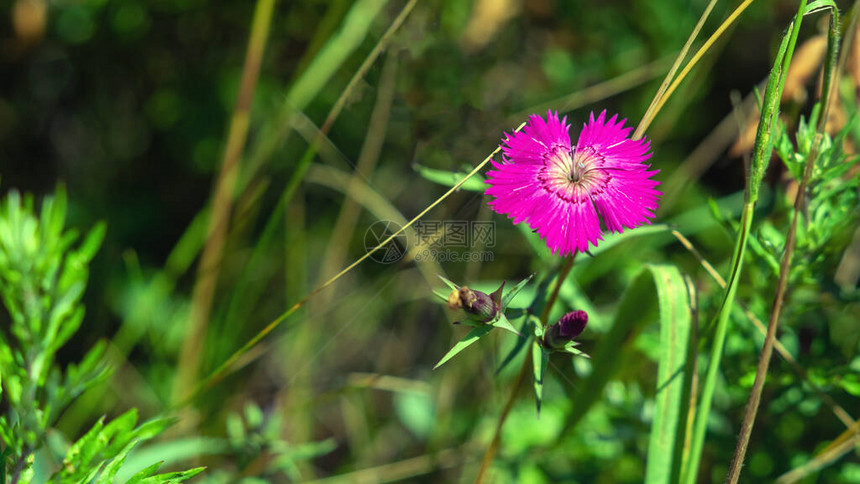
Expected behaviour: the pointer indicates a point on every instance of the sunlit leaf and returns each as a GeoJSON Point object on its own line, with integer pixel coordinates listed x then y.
{"type": "Point", "coordinates": [539, 361]}
{"type": "Point", "coordinates": [506, 300]}
{"type": "Point", "coordinates": [451, 178]}
{"type": "Point", "coordinates": [464, 343]}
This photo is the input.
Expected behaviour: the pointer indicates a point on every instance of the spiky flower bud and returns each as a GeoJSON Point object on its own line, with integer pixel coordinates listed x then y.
{"type": "Point", "coordinates": [482, 307]}
{"type": "Point", "coordinates": [565, 330]}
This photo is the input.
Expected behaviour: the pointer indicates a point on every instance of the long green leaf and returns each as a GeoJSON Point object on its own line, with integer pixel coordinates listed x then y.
{"type": "Point", "coordinates": [668, 424]}
{"type": "Point", "coordinates": [638, 307]}
{"type": "Point", "coordinates": [451, 178]}
{"type": "Point", "coordinates": [613, 239]}
{"type": "Point", "coordinates": [507, 298]}
{"type": "Point", "coordinates": [520, 343]}
{"type": "Point", "coordinates": [540, 358]}
{"type": "Point", "coordinates": [470, 338]}
{"type": "Point", "coordinates": [503, 323]}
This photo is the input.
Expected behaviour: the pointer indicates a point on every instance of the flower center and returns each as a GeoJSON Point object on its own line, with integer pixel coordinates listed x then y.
{"type": "Point", "coordinates": [573, 176]}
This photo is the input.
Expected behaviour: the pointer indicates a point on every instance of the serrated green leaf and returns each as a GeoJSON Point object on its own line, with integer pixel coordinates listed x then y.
{"type": "Point", "coordinates": [451, 178]}
{"type": "Point", "coordinates": [69, 327]}
{"type": "Point", "coordinates": [464, 343]}
{"type": "Point", "coordinates": [62, 308]}
{"type": "Point", "coordinates": [173, 452]}
{"type": "Point", "coordinates": [114, 464]}
{"type": "Point", "coordinates": [119, 432]}
{"type": "Point", "coordinates": [91, 370]}
{"type": "Point", "coordinates": [80, 453]}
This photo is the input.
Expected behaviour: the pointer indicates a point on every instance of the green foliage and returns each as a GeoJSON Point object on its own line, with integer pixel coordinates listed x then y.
{"type": "Point", "coordinates": [253, 437]}
{"type": "Point", "coordinates": [482, 328]}
{"type": "Point", "coordinates": [102, 451]}
{"type": "Point", "coordinates": [133, 118]}
{"type": "Point", "coordinates": [473, 336]}
{"type": "Point", "coordinates": [832, 207]}
{"type": "Point", "coordinates": [676, 300]}
{"type": "Point", "coordinates": [43, 278]}
{"type": "Point", "coordinates": [540, 358]}
{"type": "Point", "coordinates": [451, 178]}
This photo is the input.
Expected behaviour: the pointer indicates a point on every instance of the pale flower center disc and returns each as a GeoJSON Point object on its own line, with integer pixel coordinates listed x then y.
{"type": "Point", "coordinates": [573, 177]}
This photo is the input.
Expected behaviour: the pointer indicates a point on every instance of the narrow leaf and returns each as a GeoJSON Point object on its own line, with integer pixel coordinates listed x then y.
{"type": "Point", "coordinates": [638, 307]}
{"type": "Point", "coordinates": [539, 359]}
{"type": "Point", "coordinates": [173, 477]}
{"type": "Point", "coordinates": [448, 283]}
{"type": "Point", "coordinates": [503, 323]}
{"type": "Point", "coordinates": [613, 239]}
{"type": "Point", "coordinates": [668, 423]}
{"type": "Point", "coordinates": [144, 473]}
{"type": "Point", "coordinates": [451, 178]}
{"type": "Point", "coordinates": [470, 338]}
{"type": "Point", "coordinates": [518, 346]}
{"type": "Point", "coordinates": [506, 300]}
{"type": "Point", "coordinates": [92, 242]}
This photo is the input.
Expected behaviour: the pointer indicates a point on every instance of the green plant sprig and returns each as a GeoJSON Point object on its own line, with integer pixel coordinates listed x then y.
{"type": "Point", "coordinates": [42, 279]}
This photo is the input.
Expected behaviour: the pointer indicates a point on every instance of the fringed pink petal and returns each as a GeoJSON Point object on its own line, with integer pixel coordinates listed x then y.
{"type": "Point", "coordinates": [563, 191]}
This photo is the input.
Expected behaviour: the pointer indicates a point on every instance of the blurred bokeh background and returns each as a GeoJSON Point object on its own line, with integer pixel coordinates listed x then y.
{"type": "Point", "coordinates": [128, 103]}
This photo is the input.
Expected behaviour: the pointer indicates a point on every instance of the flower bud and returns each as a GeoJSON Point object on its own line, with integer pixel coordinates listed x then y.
{"type": "Point", "coordinates": [566, 329]}
{"type": "Point", "coordinates": [481, 306]}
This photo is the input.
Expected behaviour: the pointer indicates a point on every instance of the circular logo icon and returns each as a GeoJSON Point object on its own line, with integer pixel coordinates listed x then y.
{"type": "Point", "coordinates": [379, 232]}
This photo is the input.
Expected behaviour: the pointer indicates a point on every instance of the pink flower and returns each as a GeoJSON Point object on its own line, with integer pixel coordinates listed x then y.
{"type": "Point", "coordinates": [564, 192]}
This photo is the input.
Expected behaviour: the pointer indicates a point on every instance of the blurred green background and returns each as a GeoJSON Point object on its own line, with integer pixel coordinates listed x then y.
{"type": "Point", "coordinates": [128, 103]}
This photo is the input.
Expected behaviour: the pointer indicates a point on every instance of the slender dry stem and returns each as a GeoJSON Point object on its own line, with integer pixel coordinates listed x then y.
{"type": "Point", "coordinates": [782, 284]}
{"type": "Point", "coordinates": [658, 100]}
{"type": "Point", "coordinates": [837, 409]}
{"type": "Point", "coordinates": [661, 100]}
{"type": "Point", "coordinates": [210, 261]}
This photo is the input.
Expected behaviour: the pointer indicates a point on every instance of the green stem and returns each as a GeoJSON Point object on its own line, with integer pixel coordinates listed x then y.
{"type": "Point", "coordinates": [701, 418]}
{"type": "Point", "coordinates": [490, 454]}
{"type": "Point", "coordinates": [785, 265]}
